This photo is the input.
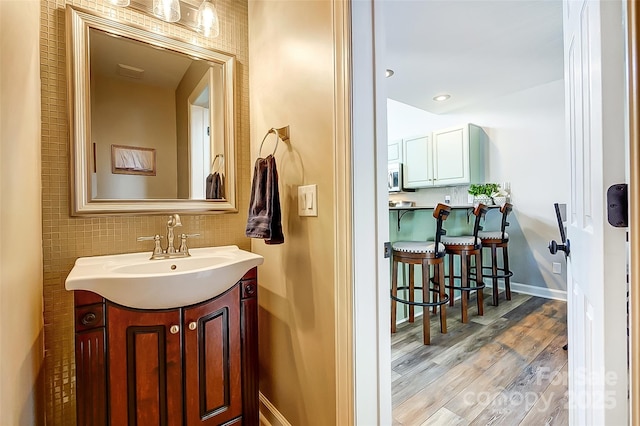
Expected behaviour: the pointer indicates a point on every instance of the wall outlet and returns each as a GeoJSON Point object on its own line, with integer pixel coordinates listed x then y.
{"type": "Point", "coordinates": [447, 199]}
{"type": "Point", "coordinates": [556, 267]}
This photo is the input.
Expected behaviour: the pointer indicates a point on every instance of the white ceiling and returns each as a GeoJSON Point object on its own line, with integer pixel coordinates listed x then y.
{"type": "Point", "coordinates": [473, 50]}
{"type": "Point", "coordinates": [161, 67]}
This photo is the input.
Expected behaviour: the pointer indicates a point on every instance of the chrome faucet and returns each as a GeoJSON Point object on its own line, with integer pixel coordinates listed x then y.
{"type": "Point", "coordinates": [174, 220]}
{"type": "Point", "coordinates": [170, 251]}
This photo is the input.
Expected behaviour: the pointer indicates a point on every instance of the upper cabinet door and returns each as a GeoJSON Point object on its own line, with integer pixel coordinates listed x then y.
{"type": "Point", "coordinates": [451, 155]}
{"type": "Point", "coordinates": [458, 155]}
{"type": "Point", "coordinates": [395, 150]}
{"type": "Point", "coordinates": [418, 167]}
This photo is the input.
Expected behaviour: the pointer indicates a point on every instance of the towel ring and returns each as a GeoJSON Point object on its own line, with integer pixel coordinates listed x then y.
{"type": "Point", "coordinates": [221, 156]}
{"type": "Point", "coordinates": [275, 132]}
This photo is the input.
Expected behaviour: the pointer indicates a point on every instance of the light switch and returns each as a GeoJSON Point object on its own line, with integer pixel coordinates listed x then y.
{"type": "Point", "coordinates": [308, 200]}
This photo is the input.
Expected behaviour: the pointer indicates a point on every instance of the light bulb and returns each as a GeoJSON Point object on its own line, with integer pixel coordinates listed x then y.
{"type": "Point", "coordinates": [120, 3]}
{"type": "Point", "coordinates": [208, 22]}
{"type": "Point", "coordinates": [167, 10]}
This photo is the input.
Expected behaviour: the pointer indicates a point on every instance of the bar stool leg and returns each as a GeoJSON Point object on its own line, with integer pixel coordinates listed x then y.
{"type": "Point", "coordinates": [507, 280]}
{"type": "Point", "coordinates": [394, 292]}
{"type": "Point", "coordinates": [439, 270]}
{"type": "Point", "coordinates": [464, 282]}
{"type": "Point", "coordinates": [411, 292]}
{"type": "Point", "coordinates": [479, 283]}
{"type": "Point", "coordinates": [451, 280]}
{"type": "Point", "coordinates": [494, 272]}
{"type": "Point", "coordinates": [435, 295]}
{"type": "Point", "coordinates": [426, 326]}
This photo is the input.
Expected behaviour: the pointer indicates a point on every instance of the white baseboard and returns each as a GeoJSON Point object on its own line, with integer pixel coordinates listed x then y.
{"type": "Point", "coordinates": [531, 290]}
{"type": "Point", "coordinates": [269, 414]}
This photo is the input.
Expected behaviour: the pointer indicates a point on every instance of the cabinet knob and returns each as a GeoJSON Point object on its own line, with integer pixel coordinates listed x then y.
{"type": "Point", "coordinates": [193, 325]}
{"type": "Point", "coordinates": [88, 318]}
{"type": "Point", "coordinates": [174, 329]}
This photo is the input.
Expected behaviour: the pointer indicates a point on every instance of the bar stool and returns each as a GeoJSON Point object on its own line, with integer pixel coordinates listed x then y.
{"type": "Point", "coordinates": [427, 254]}
{"type": "Point", "coordinates": [467, 247]}
{"type": "Point", "coordinates": [494, 240]}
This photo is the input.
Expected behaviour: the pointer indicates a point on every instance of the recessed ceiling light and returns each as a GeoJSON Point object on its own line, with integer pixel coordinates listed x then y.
{"type": "Point", "coordinates": [441, 98]}
{"type": "Point", "coordinates": [388, 73]}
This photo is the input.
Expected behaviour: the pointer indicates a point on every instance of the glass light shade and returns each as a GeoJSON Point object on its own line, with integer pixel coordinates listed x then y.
{"type": "Point", "coordinates": [208, 22]}
{"type": "Point", "coordinates": [120, 3]}
{"type": "Point", "coordinates": [167, 10]}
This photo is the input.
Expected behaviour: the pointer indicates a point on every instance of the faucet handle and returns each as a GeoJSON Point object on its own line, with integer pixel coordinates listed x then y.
{"type": "Point", "coordinates": [183, 242]}
{"type": "Point", "coordinates": [156, 238]}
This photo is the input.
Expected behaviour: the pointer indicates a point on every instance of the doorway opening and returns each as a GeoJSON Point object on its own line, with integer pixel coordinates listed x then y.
{"type": "Point", "coordinates": [500, 65]}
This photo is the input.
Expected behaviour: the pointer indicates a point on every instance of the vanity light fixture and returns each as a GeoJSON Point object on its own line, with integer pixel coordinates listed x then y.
{"type": "Point", "coordinates": [167, 10]}
{"type": "Point", "coordinates": [388, 73]}
{"type": "Point", "coordinates": [208, 22]}
{"type": "Point", "coordinates": [441, 98]}
{"type": "Point", "coordinates": [203, 19]}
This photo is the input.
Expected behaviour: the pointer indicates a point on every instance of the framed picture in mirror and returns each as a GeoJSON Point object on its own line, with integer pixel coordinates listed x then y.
{"type": "Point", "coordinates": [133, 160]}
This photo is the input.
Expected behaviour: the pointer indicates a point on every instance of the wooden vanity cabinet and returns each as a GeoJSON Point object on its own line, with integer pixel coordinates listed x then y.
{"type": "Point", "coordinates": [195, 365]}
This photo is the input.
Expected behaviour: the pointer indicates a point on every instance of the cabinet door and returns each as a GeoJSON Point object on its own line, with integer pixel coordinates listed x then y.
{"type": "Point", "coordinates": [394, 150]}
{"type": "Point", "coordinates": [451, 156]}
{"type": "Point", "coordinates": [213, 388]}
{"type": "Point", "coordinates": [145, 367]}
{"type": "Point", "coordinates": [418, 170]}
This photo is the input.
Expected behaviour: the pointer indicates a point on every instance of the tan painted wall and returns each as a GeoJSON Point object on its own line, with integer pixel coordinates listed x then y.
{"type": "Point", "coordinates": [113, 103]}
{"type": "Point", "coordinates": [66, 238]}
{"type": "Point", "coordinates": [20, 215]}
{"type": "Point", "coordinates": [292, 83]}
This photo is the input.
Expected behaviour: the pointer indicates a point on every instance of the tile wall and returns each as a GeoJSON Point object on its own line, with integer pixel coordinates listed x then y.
{"type": "Point", "coordinates": [66, 238]}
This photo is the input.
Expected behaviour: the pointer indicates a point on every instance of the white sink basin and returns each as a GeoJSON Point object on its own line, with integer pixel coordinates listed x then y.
{"type": "Point", "coordinates": [136, 281]}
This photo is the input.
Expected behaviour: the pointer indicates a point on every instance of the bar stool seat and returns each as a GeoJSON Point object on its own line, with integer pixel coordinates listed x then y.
{"type": "Point", "coordinates": [467, 247]}
{"type": "Point", "coordinates": [463, 240]}
{"type": "Point", "coordinates": [417, 246]}
{"type": "Point", "coordinates": [493, 235]}
{"type": "Point", "coordinates": [430, 255]}
{"type": "Point", "coordinates": [494, 240]}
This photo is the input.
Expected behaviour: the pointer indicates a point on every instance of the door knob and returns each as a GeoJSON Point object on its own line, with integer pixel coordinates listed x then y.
{"type": "Point", "coordinates": [555, 247]}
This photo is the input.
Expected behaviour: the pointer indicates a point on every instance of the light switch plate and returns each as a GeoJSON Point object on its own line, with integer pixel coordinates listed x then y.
{"type": "Point", "coordinates": [308, 200]}
{"type": "Point", "coordinates": [556, 267]}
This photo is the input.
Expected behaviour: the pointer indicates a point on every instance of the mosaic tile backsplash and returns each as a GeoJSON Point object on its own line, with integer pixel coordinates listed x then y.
{"type": "Point", "coordinates": [66, 238]}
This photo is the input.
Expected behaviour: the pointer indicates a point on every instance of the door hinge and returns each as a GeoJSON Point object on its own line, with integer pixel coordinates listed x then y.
{"type": "Point", "coordinates": [387, 250]}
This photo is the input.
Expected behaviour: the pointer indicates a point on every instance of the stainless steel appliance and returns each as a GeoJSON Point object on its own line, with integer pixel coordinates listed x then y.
{"type": "Point", "coordinates": [395, 177]}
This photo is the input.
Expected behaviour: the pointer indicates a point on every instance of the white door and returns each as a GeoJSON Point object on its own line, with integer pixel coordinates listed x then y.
{"type": "Point", "coordinates": [596, 288]}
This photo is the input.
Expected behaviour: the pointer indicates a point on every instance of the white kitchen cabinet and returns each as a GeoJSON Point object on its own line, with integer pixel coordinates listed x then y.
{"type": "Point", "coordinates": [452, 156]}
{"type": "Point", "coordinates": [418, 162]}
{"type": "Point", "coordinates": [394, 150]}
{"type": "Point", "coordinates": [458, 155]}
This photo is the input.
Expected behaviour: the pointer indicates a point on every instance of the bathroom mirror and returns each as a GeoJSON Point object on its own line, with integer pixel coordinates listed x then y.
{"type": "Point", "coordinates": [151, 121]}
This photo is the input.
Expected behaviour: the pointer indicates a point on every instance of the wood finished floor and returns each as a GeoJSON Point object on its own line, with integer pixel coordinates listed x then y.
{"type": "Point", "coordinates": [504, 368]}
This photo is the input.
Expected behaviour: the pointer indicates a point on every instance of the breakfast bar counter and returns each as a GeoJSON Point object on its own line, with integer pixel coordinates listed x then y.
{"type": "Point", "coordinates": [404, 209]}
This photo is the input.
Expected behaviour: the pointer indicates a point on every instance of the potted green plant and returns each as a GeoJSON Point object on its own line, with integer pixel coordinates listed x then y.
{"type": "Point", "coordinates": [500, 197]}
{"type": "Point", "coordinates": [482, 192]}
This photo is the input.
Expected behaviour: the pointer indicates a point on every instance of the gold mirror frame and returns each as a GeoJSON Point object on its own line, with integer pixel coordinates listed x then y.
{"type": "Point", "coordinates": [78, 24]}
